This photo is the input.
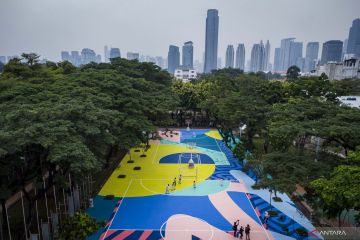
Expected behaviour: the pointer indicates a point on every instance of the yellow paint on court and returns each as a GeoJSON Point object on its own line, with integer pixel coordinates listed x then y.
{"type": "Point", "coordinates": [153, 177]}
{"type": "Point", "coordinates": [214, 134]}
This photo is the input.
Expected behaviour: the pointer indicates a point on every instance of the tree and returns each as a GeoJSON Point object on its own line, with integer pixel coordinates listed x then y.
{"type": "Point", "coordinates": [340, 192]}
{"type": "Point", "coordinates": [31, 58]}
{"type": "Point", "coordinates": [63, 122]}
{"type": "Point", "coordinates": [80, 226]}
{"type": "Point", "coordinates": [1, 67]}
{"type": "Point", "coordinates": [293, 73]}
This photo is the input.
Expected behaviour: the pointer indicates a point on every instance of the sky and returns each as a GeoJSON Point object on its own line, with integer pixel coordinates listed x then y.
{"type": "Point", "coordinates": [48, 27]}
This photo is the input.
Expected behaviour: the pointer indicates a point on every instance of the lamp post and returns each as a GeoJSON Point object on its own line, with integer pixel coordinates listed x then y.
{"type": "Point", "coordinates": [270, 198]}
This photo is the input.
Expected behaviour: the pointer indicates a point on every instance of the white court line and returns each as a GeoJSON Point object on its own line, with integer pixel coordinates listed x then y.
{"type": "Point", "coordinates": [155, 153]}
{"type": "Point", "coordinates": [122, 200]}
{"type": "Point", "coordinates": [258, 217]}
{"type": "Point", "coordinates": [147, 189]}
{"type": "Point", "coordinates": [220, 148]}
{"type": "Point", "coordinates": [211, 227]}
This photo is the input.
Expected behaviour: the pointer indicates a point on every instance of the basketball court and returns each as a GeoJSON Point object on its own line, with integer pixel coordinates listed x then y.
{"type": "Point", "coordinates": [199, 207]}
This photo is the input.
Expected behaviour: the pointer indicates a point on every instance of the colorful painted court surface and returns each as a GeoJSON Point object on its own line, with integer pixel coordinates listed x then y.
{"type": "Point", "coordinates": [213, 193]}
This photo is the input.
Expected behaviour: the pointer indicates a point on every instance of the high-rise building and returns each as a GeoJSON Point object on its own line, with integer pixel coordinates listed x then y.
{"type": "Point", "coordinates": [173, 58]}
{"type": "Point", "coordinates": [312, 54]}
{"type": "Point", "coordinates": [219, 63]}
{"type": "Point", "coordinates": [267, 56]}
{"type": "Point", "coordinates": [132, 56]}
{"type": "Point", "coordinates": [296, 50]}
{"type": "Point", "coordinates": [160, 62]}
{"type": "Point", "coordinates": [344, 49]}
{"type": "Point", "coordinates": [75, 58]}
{"type": "Point", "coordinates": [211, 40]}
{"type": "Point", "coordinates": [187, 55]}
{"type": "Point", "coordinates": [353, 45]}
{"type": "Point", "coordinates": [106, 54]}
{"type": "Point", "coordinates": [331, 51]}
{"type": "Point", "coordinates": [257, 58]}
{"type": "Point", "coordinates": [277, 60]}
{"type": "Point", "coordinates": [240, 57]}
{"type": "Point", "coordinates": [285, 53]}
{"type": "Point", "coordinates": [88, 56]}
{"type": "Point", "coordinates": [229, 58]}
{"type": "Point", "coordinates": [65, 56]}
{"type": "Point", "coordinates": [300, 63]}
{"type": "Point", "coordinates": [115, 53]}
{"type": "Point", "coordinates": [3, 59]}
{"type": "Point", "coordinates": [198, 66]}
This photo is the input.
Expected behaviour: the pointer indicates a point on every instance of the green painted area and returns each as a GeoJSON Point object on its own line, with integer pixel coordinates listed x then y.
{"type": "Point", "coordinates": [203, 189]}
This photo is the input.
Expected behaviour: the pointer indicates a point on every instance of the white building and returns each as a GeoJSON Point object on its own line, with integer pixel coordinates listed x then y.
{"type": "Point", "coordinates": [349, 68]}
{"type": "Point", "coordinates": [185, 75]}
{"type": "Point", "coordinates": [352, 101]}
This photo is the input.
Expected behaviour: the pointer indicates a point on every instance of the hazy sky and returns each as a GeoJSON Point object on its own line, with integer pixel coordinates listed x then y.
{"type": "Point", "coordinates": [149, 27]}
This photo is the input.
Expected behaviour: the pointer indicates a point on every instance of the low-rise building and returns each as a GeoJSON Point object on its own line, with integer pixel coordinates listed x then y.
{"type": "Point", "coordinates": [349, 68]}
{"type": "Point", "coordinates": [186, 75]}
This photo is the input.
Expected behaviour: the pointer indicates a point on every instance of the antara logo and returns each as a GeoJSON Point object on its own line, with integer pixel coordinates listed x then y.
{"type": "Point", "coordinates": [328, 232]}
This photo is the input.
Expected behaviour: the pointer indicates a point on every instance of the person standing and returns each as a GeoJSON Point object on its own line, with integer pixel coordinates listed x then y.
{"type": "Point", "coordinates": [266, 217]}
{"type": "Point", "coordinates": [235, 227]}
{"type": "Point", "coordinates": [180, 178]}
{"type": "Point", "coordinates": [174, 182]}
{"type": "Point", "coordinates": [247, 232]}
{"type": "Point", "coordinates": [241, 232]}
{"type": "Point", "coordinates": [167, 191]}
{"type": "Point", "coordinates": [194, 184]}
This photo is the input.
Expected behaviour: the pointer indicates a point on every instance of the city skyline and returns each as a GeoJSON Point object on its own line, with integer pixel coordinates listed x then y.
{"type": "Point", "coordinates": [21, 36]}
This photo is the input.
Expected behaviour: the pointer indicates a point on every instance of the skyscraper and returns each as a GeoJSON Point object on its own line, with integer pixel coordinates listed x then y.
{"type": "Point", "coordinates": [114, 53]}
{"type": "Point", "coordinates": [173, 58]}
{"type": "Point", "coordinates": [187, 55]}
{"type": "Point", "coordinates": [296, 49]}
{"type": "Point", "coordinates": [211, 40]}
{"type": "Point", "coordinates": [75, 58]}
{"type": "Point", "coordinates": [65, 56]}
{"type": "Point", "coordinates": [344, 49]}
{"type": "Point", "coordinates": [331, 51]}
{"type": "Point", "coordinates": [285, 53]}
{"type": "Point", "coordinates": [106, 54]}
{"type": "Point", "coordinates": [277, 60]}
{"type": "Point", "coordinates": [267, 56]}
{"type": "Point", "coordinates": [88, 56]}
{"type": "Point", "coordinates": [240, 57]}
{"type": "Point", "coordinates": [229, 58]}
{"type": "Point", "coordinates": [353, 46]}
{"type": "Point", "coordinates": [132, 56]}
{"type": "Point", "coordinates": [312, 53]}
{"type": "Point", "coordinates": [219, 63]}
{"type": "Point", "coordinates": [257, 58]}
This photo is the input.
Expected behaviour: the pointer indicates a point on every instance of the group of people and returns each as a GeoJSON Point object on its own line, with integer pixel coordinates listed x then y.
{"type": "Point", "coordinates": [239, 232]}
{"type": "Point", "coordinates": [173, 185]}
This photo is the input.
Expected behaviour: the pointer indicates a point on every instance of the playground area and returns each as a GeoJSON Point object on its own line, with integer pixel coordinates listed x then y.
{"type": "Point", "coordinates": [212, 193]}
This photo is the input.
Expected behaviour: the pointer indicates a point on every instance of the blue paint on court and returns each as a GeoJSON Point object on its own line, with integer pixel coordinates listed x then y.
{"type": "Point", "coordinates": [185, 157]}
{"type": "Point", "coordinates": [243, 202]}
{"type": "Point", "coordinates": [151, 212]}
{"type": "Point", "coordinates": [102, 208]}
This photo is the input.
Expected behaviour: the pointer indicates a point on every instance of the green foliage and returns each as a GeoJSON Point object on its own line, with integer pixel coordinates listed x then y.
{"type": "Point", "coordinates": [240, 151]}
{"type": "Point", "coordinates": [80, 226]}
{"type": "Point", "coordinates": [341, 191]}
{"type": "Point", "coordinates": [60, 119]}
{"type": "Point", "coordinates": [1, 67]}
{"type": "Point", "coordinates": [293, 73]}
